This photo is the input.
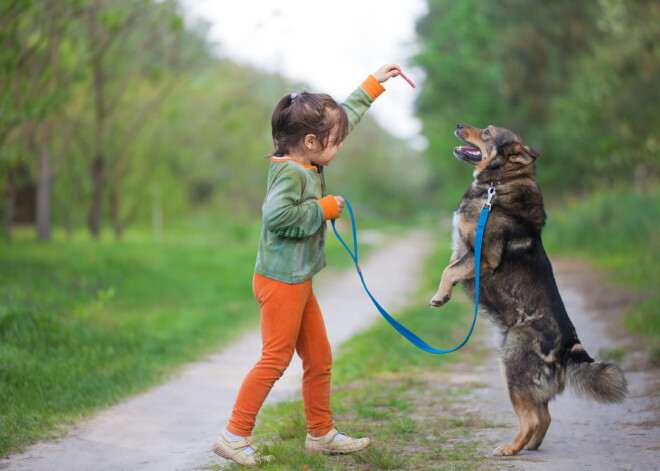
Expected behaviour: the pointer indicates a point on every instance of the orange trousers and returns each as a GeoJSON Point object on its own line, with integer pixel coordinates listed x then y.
{"type": "Point", "coordinates": [291, 321]}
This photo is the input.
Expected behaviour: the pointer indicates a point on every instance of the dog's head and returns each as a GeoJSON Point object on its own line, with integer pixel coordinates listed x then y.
{"type": "Point", "coordinates": [495, 152]}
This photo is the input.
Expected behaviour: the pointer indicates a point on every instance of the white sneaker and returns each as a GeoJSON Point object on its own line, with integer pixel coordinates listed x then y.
{"type": "Point", "coordinates": [327, 443]}
{"type": "Point", "coordinates": [235, 450]}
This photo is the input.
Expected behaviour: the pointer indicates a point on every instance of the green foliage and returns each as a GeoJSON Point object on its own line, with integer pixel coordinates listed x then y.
{"type": "Point", "coordinates": [605, 122]}
{"type": "Point", "coordinates": [27, 65]}
{"type": "Point", "coordinates": [574, 79]}
{"type": "Point", "coordinates": [128, 102]}
{"type": "Point", "coordinates": [460, 85]}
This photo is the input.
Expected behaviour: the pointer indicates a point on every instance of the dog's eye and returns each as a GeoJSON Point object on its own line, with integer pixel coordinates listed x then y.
{"type": "Point", "coordinates": [487, 132]}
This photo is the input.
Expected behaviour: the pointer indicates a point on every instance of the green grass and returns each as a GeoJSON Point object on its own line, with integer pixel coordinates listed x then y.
{"type": "Point", "coordinates": [618, 231]}
{"type": "Point", "coordinates": [84, 323]}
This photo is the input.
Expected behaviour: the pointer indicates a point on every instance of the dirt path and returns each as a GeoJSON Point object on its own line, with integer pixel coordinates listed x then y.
{"type": "Point", "coordinates": [171, 427]}
{"type": "Point", "coordinates": [583, 435]}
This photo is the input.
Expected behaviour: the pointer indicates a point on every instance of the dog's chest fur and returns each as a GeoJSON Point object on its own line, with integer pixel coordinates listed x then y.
{"type": "Point", "coordinates": [517, 216]}
{"type": "Point", "coordinates": [518, 291]}
{"type": "Point", "coordinates": [512, 251]}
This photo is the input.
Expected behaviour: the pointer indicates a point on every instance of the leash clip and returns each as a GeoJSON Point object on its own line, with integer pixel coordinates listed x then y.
{"type": "Point", "coordinates": [491, 193]}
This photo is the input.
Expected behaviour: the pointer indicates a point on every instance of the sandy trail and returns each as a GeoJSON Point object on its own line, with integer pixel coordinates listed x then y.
{"type": "Point", "coordinates": [583, 434]}
{"type": "Point", "coordinates": [171, 427]}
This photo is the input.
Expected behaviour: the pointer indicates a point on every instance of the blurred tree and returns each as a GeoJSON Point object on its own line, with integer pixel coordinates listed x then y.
{"type": "Point", "coordinates": [33, 85]}
{"type": "Point", "coordinates": [574, 79]}
{"type": "Point", "coordinates": [608, 116]}
{"type": "Point", "coordinates": [538, 45]}
{"type": "Point", "coordinates": [458, 55]}
{"type": "Point", "coordinates": [120, 37]}
{"type": "Point", "coordinates": [133, 116]}
{"type": "Point", "coordinates": [56, 66]}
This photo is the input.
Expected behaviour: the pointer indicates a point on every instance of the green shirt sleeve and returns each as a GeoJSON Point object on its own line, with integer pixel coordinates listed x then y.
{"type": "Point", "coordinates": [283, 212]}
{"type": "Point", "coordinates": [356, 105]}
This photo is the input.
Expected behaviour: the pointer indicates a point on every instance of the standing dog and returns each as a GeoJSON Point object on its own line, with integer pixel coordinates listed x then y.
{"type": "Point", "coordinates": [540, 350]}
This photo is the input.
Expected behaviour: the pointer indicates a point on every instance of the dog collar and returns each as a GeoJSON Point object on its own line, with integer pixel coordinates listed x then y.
{"type": "Point", "coordinates": [491, 194]}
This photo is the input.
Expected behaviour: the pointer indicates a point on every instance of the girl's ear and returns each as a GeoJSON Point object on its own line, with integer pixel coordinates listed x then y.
{"type": "Point", "coordinates": [310, 142]}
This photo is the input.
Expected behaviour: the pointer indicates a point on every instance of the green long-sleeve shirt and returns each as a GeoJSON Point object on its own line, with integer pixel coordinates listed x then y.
{"type": "Point", "coordinates": [291, 248]}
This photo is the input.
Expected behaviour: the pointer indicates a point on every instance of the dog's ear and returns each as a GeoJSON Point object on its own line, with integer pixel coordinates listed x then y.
{"type": "Point", "coordinates": [522, 154]}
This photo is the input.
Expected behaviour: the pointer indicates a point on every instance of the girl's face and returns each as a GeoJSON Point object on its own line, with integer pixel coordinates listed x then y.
{"type": "Point", "coordinates": [312, 151]}
{"type": "Point", "coordinates": [320, 156]}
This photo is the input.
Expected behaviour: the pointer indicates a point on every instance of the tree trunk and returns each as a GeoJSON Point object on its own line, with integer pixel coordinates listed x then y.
{"type": "Point", "coordinates": [157, 214]}
{"type": "Point", "coordinates": [11, 202]}
{"type": "Point", "coordinates": [45, 179]}
{"type": "Point", "coordinates": [97, 195]}
{"type": "Point", "coordinates": [44, 184]}
{"type": "Point", "coordinates": [98, 166]}
{"type": "Point", "coordinates": [115, 201]}
{"type": "Point", "coordinates": [65, 219]}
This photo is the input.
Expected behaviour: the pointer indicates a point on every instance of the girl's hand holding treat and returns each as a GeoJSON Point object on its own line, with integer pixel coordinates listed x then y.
{"type": "Point", "coordinates": [386, 72]}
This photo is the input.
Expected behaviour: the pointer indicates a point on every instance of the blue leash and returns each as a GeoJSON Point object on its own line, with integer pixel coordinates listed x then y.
{"type": "Point", "coordinates": [414, 339]}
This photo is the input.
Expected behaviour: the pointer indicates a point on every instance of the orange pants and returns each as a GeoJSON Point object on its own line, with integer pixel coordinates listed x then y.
{"type": "Point", "coordinates": [290, 320]}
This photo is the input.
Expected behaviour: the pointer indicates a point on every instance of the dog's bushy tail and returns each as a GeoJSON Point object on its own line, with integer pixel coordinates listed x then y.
{"type": "Point", "coordinates": [597, 380]}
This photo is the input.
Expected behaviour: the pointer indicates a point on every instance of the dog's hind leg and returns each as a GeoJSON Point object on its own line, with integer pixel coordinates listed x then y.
{"type": "Point", "coordinates": [526, 410]}
{"type": "Point", "coordinates": [544, 422]}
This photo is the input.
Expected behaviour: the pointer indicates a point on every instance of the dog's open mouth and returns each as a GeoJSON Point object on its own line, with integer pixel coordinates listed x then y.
{"type": "Point", "coordinates": [468, 153]}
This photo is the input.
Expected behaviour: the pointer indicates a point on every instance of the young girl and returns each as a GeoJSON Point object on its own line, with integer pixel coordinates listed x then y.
{"type": "Point", "coordinates": [308, 130]}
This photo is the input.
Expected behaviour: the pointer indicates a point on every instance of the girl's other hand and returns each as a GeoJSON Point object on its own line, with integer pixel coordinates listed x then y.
{"type": "Point", "coordinates": [340, 203]}
{"type": "Point", "coordinates": [386, 72]}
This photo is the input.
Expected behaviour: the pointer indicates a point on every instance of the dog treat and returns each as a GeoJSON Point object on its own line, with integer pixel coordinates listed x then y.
{"type": "Point", "coordinates": [403, 76]}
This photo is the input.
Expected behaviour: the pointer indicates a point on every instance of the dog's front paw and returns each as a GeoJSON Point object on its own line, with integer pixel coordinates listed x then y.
{"type": "Point", "coordinates": [505, 450]}
{"type": "Point", "coordinates": [440, 300]}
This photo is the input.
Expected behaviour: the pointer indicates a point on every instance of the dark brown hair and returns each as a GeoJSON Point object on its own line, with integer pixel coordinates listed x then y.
{"type": "Point", "coordinates": [297, 115]}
